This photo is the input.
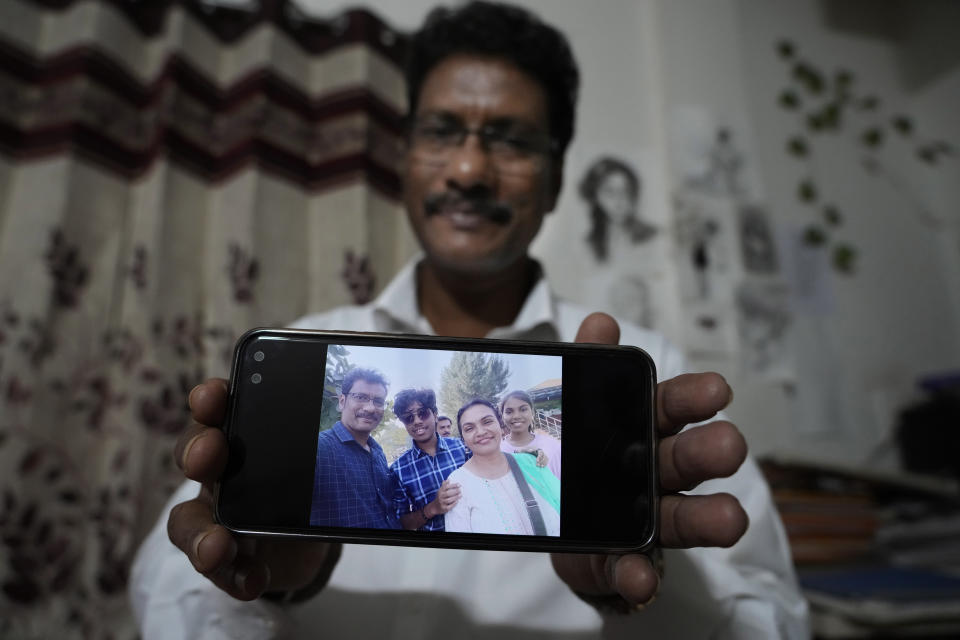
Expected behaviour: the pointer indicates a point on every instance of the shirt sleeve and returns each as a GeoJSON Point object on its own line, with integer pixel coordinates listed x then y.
{"type": "Point", "coordinates": [401, 502]}
{"type": "Point", "coordinates": [171, 601]}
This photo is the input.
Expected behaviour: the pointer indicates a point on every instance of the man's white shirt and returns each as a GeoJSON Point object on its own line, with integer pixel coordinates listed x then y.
{"type": "Point", "coordinates": [747, 591]}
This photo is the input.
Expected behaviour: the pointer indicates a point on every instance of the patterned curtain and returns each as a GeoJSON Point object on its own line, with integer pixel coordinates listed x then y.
{"type": "Point", "coordinates": [171, 175]}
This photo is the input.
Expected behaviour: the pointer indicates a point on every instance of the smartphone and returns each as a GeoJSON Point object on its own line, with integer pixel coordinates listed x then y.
{"type": "Point", "coordinates": [551, 446]}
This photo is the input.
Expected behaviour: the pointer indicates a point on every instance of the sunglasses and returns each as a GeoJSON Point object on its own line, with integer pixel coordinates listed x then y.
{"type": "Point", "coordinates": [421, 413]}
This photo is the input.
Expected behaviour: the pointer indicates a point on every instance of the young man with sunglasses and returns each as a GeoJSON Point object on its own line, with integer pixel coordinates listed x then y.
{"type": "Point", "coordinates": [421, 492]}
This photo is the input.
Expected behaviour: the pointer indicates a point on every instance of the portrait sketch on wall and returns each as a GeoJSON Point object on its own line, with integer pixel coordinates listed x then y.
{"type": "Point", "coordinates": [612, 189]}
{"type": "Point", "coordinates": [616, 240]}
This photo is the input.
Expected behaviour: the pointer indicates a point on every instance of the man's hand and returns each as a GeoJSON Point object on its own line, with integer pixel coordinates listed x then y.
{"type": "Point", "coordinates": [243, 567]}
{"type": "Point", "coordinates": [448, 495]}
{"type": "Point", "coordinates": [715, 450]}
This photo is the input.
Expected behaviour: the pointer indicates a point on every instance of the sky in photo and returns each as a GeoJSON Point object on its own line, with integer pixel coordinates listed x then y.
{"type": "Point", "coordinates": [421, 368]}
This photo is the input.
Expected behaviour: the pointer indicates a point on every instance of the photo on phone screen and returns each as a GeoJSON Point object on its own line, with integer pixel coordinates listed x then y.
{"type": "Point", "coordinates": [489, 425]}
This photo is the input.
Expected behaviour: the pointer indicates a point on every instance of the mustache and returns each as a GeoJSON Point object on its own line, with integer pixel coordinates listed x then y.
{"type": "Point", "coordinates": [370, 415]}
{"type": "Point", "coordinates": [478, 203]}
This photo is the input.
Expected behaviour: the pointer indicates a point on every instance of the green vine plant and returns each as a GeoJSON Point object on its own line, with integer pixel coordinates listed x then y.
{"type": "Point", "coordinates": [832, 104]}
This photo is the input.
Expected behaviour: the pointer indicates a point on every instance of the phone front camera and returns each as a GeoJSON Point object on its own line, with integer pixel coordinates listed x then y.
{"type": "Point", "coordinates": [256, 378]}
{"type": "Point", "coordinates": [258, 356]}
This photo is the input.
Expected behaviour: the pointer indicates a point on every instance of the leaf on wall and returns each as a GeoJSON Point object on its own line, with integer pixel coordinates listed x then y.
{"type": "Point", "coordinates": [797, 147]}
{"type": "Point", "coordinates": [832, 215]}
{"type": "Point", "coordinates": [807, 191]}
{"type": "Point", "coordinates": [785, 49]}
{"type": "Point", "coordinates": [844, 258]}
{"type": "Point", "coordinates": [789, 100]}
{"type": "Point", "coordinates": [902, 125]}
{"type": "Point", "coordinates": [872, 138]}
{"type": "Point", "coordinates": [814, 236]}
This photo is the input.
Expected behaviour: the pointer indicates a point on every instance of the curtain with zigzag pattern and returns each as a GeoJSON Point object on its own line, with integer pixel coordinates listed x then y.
{"type": "Point", "coordinates": [170, 176]}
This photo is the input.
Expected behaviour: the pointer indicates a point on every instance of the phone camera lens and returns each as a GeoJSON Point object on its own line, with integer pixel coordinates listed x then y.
{"type": "Point", "coordinates": [256, 378]}
{"type": "Point", "coordinates": [258, 356]}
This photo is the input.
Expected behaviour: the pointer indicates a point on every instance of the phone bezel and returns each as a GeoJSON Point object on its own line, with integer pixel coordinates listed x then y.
{"type": "Point", "coordinates": [448, 539]}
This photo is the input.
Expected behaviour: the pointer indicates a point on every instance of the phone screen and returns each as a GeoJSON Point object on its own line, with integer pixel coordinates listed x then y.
{"type": "Point", "coordinates": [440, 442]}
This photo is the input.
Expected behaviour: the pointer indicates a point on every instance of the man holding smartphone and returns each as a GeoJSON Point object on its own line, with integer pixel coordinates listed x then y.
{"type": "Point", "coordinates": [492, 94]}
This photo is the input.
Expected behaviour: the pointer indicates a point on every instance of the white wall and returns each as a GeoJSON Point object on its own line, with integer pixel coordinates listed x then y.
{"type": "Point", "coordinates": [897, 317]}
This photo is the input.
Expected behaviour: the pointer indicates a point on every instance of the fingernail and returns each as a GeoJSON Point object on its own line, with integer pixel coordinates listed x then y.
{"type": "Point", "coordinates": [240, 579]}
{"type": "Point", "coordinates": [186, 450]}
{"type": "Point", "coordinates": [611, 571]}
{"type": "Point", "coordinates": [190, 396]}
{"type": "Point", "coordinates": [196, 545]}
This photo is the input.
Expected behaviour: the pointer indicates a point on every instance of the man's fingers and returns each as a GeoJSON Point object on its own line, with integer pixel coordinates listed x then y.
{"type": "Point", "coordinates": [701, 521]}
{"type": "Point", "coordinates": [208, 402]}
{"type": "Point", "coordinates": [714, 450]}
{"type": "Point", "coordinates": [689, 398]}
{"type": "Point", "coordinates": [201, 452]}
{"type": "Point", "coordinates": [635, 579]}
{"type": "Point", "coordinates": [209, 546]}
{"type": "Point", "coordinates": [632, 576]}
{"type": "Point", "coordinates": [599, 328]}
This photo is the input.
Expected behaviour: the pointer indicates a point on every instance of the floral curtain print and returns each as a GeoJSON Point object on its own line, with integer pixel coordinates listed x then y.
{"type": "Point", "coordinates": [170, 176]}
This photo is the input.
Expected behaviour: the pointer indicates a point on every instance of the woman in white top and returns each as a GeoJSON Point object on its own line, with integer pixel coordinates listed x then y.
{"type": "Point", "coordinates": [491, 500]}
{"type": "Point", "coordinates": [517, 412]}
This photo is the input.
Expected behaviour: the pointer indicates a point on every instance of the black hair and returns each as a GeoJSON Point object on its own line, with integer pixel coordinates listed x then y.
{"type": "Point", "coordinates": [358, 373]}
{"type": "Point", "coordinates": [473, 403]}
{"type": "Point", "coordinates": [439, 418]}
{"type": "Point", "coordinates": [507, 32]}
{"type": "Point", "coordinates": [402, 401]}
{"type": "Point", "coordinates": [521, 395]}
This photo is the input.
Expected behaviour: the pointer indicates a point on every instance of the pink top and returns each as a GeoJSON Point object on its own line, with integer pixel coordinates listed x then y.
{"type": "Point", "coordinates": [549, 444]}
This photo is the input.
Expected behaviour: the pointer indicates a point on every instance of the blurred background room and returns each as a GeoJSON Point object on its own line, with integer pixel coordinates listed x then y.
{"type": "Point", "coordinates": [772, 184]}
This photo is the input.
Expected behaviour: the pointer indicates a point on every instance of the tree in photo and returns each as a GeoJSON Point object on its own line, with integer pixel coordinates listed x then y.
{"type": "Point", "coordinates": [472, 375]}
{"type": "Point", "coordinates": [391, 435]}
{"type": "Point", "coordinates": [338, 364]}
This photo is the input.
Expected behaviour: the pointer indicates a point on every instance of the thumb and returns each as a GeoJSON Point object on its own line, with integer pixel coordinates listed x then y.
{"type": "Point", "coordinates": [599, 328]}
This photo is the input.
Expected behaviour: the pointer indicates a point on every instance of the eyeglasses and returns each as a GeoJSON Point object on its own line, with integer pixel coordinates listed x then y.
{"type": "Point", "coordinates": [421, 413]}
{"type": "Point", "coordinates": [363, 398]}
{"type": "Point", "coordinates": [513, 148]}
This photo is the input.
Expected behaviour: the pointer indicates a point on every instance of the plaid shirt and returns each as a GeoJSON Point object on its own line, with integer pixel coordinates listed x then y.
{"type": "Point", "coordinates": [351, 486]}
{"type": "Point", "coordinates": [417, 477]}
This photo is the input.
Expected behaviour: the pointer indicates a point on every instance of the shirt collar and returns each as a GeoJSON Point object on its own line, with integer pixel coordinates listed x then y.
{"type": "Point", "coordinates": [345, 436]}
{"type": "Point", "coordinates": [441, 446]}
{"type": "Point", "coordinates": [396, 308]}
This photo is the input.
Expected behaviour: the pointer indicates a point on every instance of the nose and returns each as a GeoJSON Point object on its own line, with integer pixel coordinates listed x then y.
{"type": "Point", "coordinates": [469, 165]}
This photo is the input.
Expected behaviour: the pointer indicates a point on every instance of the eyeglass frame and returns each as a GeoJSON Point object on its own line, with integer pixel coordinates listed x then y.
{"type": "Point", "coordinates": [365, 398]}
{"type": "Point", "coordinates": [490, 136]}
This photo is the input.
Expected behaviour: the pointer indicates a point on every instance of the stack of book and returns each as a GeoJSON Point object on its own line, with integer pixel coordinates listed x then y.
{"type": "Point", "coordinates": [877, 554]}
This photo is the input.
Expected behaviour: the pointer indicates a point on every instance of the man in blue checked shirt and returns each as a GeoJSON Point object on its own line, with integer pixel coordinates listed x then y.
{"type": "Point", "coordinates": [421, 493]}
{"type": "Point", "coordinates": [351, 486]}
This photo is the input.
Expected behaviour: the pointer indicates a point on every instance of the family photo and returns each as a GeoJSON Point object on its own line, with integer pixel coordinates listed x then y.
{"type": "Point", "coordinates": [436, 440]}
